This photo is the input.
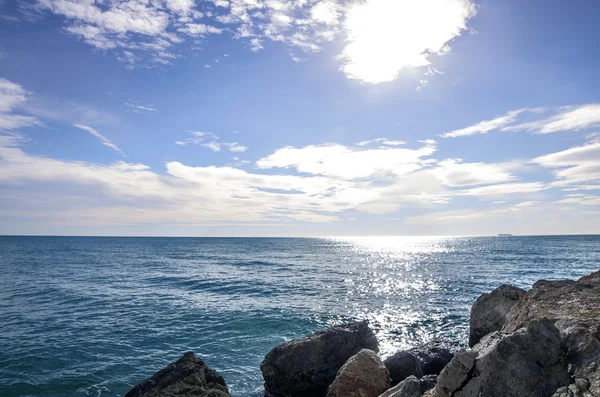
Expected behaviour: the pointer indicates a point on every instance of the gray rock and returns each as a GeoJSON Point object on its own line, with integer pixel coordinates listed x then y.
{"type": "Point", "coordinates": [402, 365]}
{"type": "Point", "coordinates": [526, 363]}
{"type": "Point", "coordinates": [455, 374]}
{"type": "Point", "coordinates": [188, 376]}
{"type": "Point", "coordinates": [409, 387]}
{"type": "Point", "coordinates": [489, 311]}
{"type": "Point", "coordinates": [363, 375]}
{"type": "Point", "coordinates": [434, 357]}
{"type": "Point", "coordinates": [306, 367]}
{"type": "Point", "coordinates": [574, 306]}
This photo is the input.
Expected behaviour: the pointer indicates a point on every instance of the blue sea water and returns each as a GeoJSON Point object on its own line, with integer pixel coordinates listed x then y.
{"type": "Point", "coordinates": [93, 316]}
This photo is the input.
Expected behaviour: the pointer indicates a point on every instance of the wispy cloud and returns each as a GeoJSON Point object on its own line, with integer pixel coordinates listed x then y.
{"type": "Point", "coordinates": [136, 108]}
{"type": "Point", "coordinates": [11, 96]}
{"type": "Point", "coordinates": [213, 145]}
{"type": "Point", "coordinates": [382, 141]}
{"type": "Point", "coordinates": [577, 165]}
{"type": "Point", "coordinates": [105, 141]}
{"type": "Point", "coordinates": [235, 147]}
{"type": "Point", "coordinates": [566, 118]}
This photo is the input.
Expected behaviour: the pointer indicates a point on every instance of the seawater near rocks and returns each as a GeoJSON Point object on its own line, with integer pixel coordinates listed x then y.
{"type": "Point", "coordinates": [548, 346]}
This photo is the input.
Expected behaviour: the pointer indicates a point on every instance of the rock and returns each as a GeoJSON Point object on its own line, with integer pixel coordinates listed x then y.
{"type": "Point", "coordinates": [489, 311]}
{"type": "Point", "coordinates": [402, 365]}
{"type": "Point", "coordinates": [435, 356]}
{"type": "Point", "coordinates": [306, 367]}
{"type": "Point", "coordinates": [409, 387]}
{"type": "Point", "coordinates": [188, 376]}
{"type": "Point", "coordinates": [427, 382]}
{"type": "Point", "coordinates": [573, 306]}
{"type": "Point", "coordinates": [526, 363]}
{"type": "Point", "coordinates": [455, 374]}
{"type": "Point", "coordinates": [363, 375]}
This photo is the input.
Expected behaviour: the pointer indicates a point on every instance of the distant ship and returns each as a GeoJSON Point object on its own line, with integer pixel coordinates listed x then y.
{"type": "Point", "coordinates": [505, 235]}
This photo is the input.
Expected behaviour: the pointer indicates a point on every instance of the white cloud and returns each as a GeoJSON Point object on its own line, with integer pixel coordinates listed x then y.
{"type": "Point", "coordinates": [566, 118]}
{"type": "Point", "coordinates": [506, 189]}
{"type": "Point", "coordinates": [385, 36]}
{"type": "Point", "coordinates": [11, 96]}
{"type": "Point", "coordinates": [197, 138]}
{"type": "Point", "coordinates": [346, 163]}
{"type": "Point", "coordinates": [105, 141]}
{"type": "Point", "coordinates": [456, 173]}
{"type": "Point", "coordinates": [213, 145]}
{"type": "Point", "coordinates": [382, 141]}
{"type": "Point", "coordinates": [576, 165]}
{"type": "Point", "coordinates": [135, 108]}
{"type": "Point", "coordinates": [235, 147]}
{"type": "Point", "coordinates": [486, 126]}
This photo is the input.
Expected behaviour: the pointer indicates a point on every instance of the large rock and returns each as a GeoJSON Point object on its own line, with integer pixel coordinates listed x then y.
{"type": "Point", "coordinates": [455, 374]}
{"type": "Point", "coordinates": [428, 359]}
{"type": "Point", "coordinates": [526, 363]}
{"type": "Point", "coordinates": [363, 375]}
{"type": "Point", "coordinates": [306, 367]}
{"type": "Point", "coordinates": [574, 307]}
{"type": "Point", "coordinates": [489, 311]}
{"type": "Point", "coordinates": [188, 376]}
{"type": "Point", "coordinates": [409, 387]}
{"type": "Point", "coordinates": [402, 365]}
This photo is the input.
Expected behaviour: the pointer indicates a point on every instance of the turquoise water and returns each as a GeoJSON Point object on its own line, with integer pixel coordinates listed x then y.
{"type": "Point", "coordinates": [87, 316]}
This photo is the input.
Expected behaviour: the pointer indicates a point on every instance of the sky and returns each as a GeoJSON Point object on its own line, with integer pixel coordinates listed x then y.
{"type": "Point", "coordinates": [300, 117]}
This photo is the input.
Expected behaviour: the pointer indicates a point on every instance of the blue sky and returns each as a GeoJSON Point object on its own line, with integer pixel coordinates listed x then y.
{"type": "Point", "coordinates": [299, 118]}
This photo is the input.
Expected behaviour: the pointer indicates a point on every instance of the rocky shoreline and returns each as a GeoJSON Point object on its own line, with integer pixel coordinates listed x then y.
{"type": "Point", "coordinates": [544, 342]}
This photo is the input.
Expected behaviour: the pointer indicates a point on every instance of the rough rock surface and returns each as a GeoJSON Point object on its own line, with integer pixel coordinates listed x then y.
{"type": "Point", "coordinates": [526, 363]}
{"type": "Point", "coordinates": [455, 374]}
{"type": "Point", "coordinates": [402, 365]}
{"type": "Point", "coordinates": [363, 375]}
{"type": "Point", "coordinates": [574, 306]}
{"type": "Point", "coordinates": [489, 311]}
{"type": "Point", "coordinates": [306, 367]}
{"type": "Point", "coordinates": [188, 376]}
{"type": "Point", "coordinates": [409, 387]}
{"type": "Point", "coordinates": [435, 356]}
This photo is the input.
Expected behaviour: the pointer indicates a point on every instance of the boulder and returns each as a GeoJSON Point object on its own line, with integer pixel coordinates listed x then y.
{"type": "Point", "coordinates": [363, 375]}
{"type": "Point", "coordinates": [435, 356]}
{"type": "Point", "coordinates": [574, 307]}
{"type": "Point", "coordinates": [402, 365]}
{"type": "Point", "coordinates": [188, 376]}
{"type": "Point", "coordinates": [306, 367]}
{"type": "Point", "coordinates": [455, 374]}
{"type": "Point", "coordinates": [489, 311]}
{"type": "Point", "coordinates": [409, 387]}
{"type": "Point", "coordinates": [526, 363]}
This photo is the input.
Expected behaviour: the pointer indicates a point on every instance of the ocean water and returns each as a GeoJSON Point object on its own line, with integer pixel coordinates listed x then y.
{"type": "Point", "coordinates": [88, 316]}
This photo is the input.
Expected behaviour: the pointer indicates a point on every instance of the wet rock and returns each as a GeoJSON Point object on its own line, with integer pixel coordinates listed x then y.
{"type": "Point", "coordinates": [306, 367]}
{"type": "Point", "coordinates": [455, 374]}
{"type": "Point", "coordinates": [402, 365]}
{"type": "Point", "coordinates": [363, 375]}
{"type": "Point", "coordinates": [188, 376]}
{"type": "Point", "coordinates": [435, 356]}
{"type": "Point", "coordinates": [427, 382]}
{"type": "Point", "coordinates": [489, 311]}
{"type": "Point", "coordinates": [409, 387]}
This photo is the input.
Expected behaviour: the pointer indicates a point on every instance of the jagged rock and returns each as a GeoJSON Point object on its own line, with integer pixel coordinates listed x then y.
{"type": "Point", "coordinates": [188, 376]}
{"type": "Point", "coordinates": [402, 365]}
{"type": "Point", "coordinates": [306, 367]}
{"type": "Point", "coordinates": [409, 387]}
{"type": "Point", "coordinates": [526, 363]}
{"type": "Point", "coordinates": [455, 374]}
{"type": "Point", "coordinates": [427, 382]}
{"type": "Point", "coordinates": [489, 311]}
{"type": "Point", "coordinates": [363, 375]}
{"type": "Point", "coordinates": [574, 306]}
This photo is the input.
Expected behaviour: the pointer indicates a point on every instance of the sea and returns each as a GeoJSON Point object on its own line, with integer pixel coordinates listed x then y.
{"type": "Point", "coordinates": [93, 316]}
